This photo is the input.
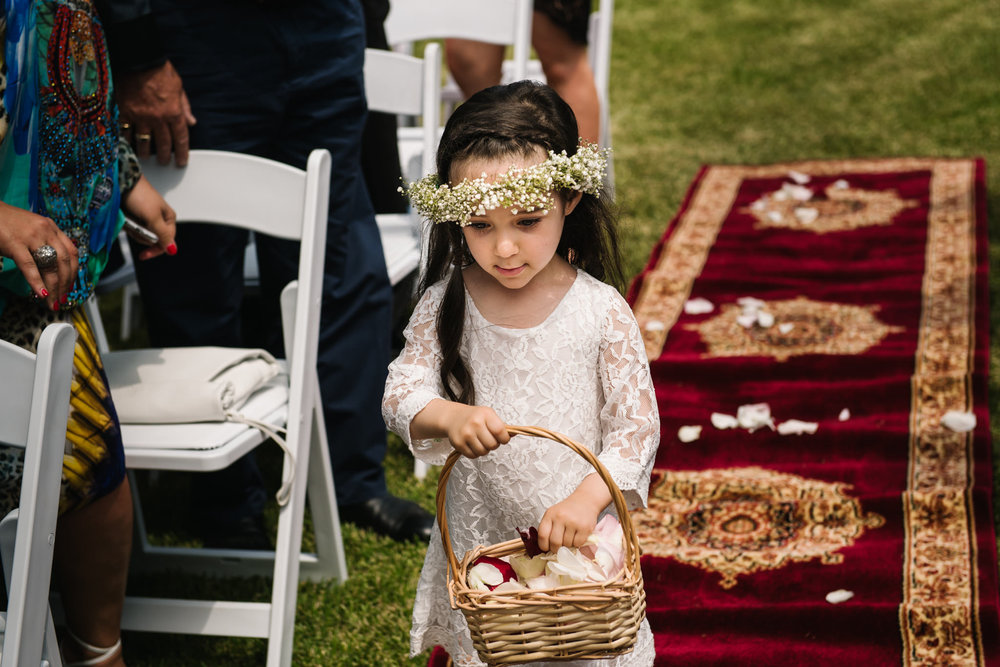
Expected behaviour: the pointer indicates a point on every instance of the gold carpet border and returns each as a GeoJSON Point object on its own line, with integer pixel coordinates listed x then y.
{"type": "Point", "coordinates": [939, 618]}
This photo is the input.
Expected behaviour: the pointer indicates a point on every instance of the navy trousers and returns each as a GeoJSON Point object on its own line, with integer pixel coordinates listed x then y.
{"type": "Point", "coordinates": [278, 80]}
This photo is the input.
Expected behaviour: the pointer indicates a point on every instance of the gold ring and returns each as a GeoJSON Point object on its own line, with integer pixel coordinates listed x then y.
{"type": "Point", "coordinates": [143, 137]}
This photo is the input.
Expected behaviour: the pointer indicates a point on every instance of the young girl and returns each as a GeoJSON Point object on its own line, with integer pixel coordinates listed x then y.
{"type": "Point", "coordinates": [514, 326]}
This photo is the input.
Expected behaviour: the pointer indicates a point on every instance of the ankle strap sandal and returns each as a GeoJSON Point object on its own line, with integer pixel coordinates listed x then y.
{"type": "Point", "coordinates": [102, 653]}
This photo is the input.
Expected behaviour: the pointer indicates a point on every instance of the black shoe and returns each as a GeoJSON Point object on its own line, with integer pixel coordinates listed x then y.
{"type": "Point", "coordinates": [247, 532]}
{"type": "Point", "coordinates": [391, 516]}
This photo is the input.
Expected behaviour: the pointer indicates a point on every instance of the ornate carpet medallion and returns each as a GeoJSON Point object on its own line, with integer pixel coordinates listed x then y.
{"type": "Point", "coordinates": [801, 326]}
{"type": "Point", "coordinates": [839, 208]}
{"type": "Point", "coordinates": [742, 520]}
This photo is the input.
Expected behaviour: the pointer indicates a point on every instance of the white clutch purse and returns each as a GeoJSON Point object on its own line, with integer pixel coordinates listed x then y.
{"type": "Point", "coordinates": [185, 384]}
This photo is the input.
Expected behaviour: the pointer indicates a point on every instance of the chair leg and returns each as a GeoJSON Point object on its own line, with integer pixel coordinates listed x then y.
{"type": "Point", "coordinates": [331, 561]}
{"type": "Point", "coordinates": [50, 648]}
{"type": "Point", "coordinates": [284, 592]}
{"type": "Point", "coordinates": [129, 295]}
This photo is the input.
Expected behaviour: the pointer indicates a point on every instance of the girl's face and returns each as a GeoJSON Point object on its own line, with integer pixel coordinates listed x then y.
{"type": "Point", "coordinates": [513, 248]}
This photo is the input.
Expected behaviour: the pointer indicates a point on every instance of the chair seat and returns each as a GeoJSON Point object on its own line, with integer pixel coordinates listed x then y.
{"type": "Point", "coordinates": [170, 446]}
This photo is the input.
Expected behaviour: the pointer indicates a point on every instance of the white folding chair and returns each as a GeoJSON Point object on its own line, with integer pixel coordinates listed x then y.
{"type": "Point", "coordinates": [271, 198]}
{"type": "Point", "coordinates": [506, 22]}
{"type": "Point", "coordinates": [122, 278]}
{"type": "Point", "coordinates": [34, 410]}
{"type": "Point", "coordinates": [408, 86]}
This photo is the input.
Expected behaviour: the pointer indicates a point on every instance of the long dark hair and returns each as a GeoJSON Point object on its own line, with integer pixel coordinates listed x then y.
{"type": "Point", "coordinates": [511, 120]}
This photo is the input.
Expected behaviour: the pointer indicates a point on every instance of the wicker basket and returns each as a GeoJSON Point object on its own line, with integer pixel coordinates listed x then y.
{"type": "Point", "coordinates": [574, 622]}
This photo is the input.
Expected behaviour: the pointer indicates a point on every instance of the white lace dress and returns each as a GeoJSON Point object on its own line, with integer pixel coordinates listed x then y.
{"type": "Point", "coordinates": [583, 373]}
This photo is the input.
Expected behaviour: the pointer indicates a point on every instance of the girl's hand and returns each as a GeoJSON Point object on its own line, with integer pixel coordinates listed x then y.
{"type": "Point", "coordinates": [147, 207]}
{"type": "Point", "coordinates": [570, 522]}
{"type": "Point", "coordinates": [473, 430]}
{"type": "Point", "coordinates": [21, 233]}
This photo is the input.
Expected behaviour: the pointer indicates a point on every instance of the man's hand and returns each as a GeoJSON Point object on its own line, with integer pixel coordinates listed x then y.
{"type": "Point", "coordinates": [154, 109]}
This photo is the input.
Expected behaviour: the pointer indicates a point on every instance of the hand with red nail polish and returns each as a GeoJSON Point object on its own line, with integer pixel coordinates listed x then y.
{"type": "Point", "coordinates": [23, 232]}
{"type": "Point", "coordinates": [148, 208]}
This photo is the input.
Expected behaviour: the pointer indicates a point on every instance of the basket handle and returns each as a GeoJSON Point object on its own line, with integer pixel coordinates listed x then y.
{"type": "Point", "coordinates": [624, 518]}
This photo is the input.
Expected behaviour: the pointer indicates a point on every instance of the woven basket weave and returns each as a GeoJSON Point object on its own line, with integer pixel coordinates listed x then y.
{"type": "Point", "coordinates": [574, 622]}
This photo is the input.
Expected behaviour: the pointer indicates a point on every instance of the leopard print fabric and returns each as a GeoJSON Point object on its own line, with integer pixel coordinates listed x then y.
{"type": "Point", "coordinates": [129, 171]}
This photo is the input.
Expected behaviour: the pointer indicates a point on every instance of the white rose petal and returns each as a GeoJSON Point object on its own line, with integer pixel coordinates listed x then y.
{"type": "Point", "coordinates": [797, 192]}
{"type": "Point", "coordinates": [655, 325]}
{"type": "Point", "coordinates": [698, 306]}
{"type": "Point", "coordinates": [799, 177]}
{"type": "Point", "coordinates": [723, 421]}
{"type": "Point", "coordinates": [754, 416]}
{"type": "Point", "coordinates": [527, 567]}
{"type": "Point", "coordinates": [840, 184]}
{"type": "Point", "coordinates": [796, 427]}
{"type": "Point", "coordinates": [780, 195]}
{"type": "Point", "coordinates": [688, 433]}
{"type": "Point", "coordinates": [765, 319]}
{"type": "Point", "coordinates": [758, 205]}
{"type": "Point", "coordinates": [510, 585]}
{"type": "Point", "coordinates": [960, 422]}
{"type": "Point", "coordinates": [746, 320]}
{"type": "Point", "coordinates": [785, 327]}
{"type": "Point", "coordinates": [844, 415]}
{"type": "Point", "coordinates": [806, 215]}
{"type": "Point", "coordinates": [838, 596]}
{"type": "Point", "coordinates": [750, 303]}
{"type": "Point", "coordinates": [774, 216]}
{"type": "Point", "coordinates": [544, 581]}
{"type": "Point", "coordinates": [484, 575]}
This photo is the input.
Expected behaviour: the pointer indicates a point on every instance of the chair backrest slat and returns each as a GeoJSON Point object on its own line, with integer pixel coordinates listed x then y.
{"type": "Point", "coordinates": [494, 21]}
{"type": "Point", "coordinates": [34, 410]}
{"type": "Point", "coordinates": [233, 189]}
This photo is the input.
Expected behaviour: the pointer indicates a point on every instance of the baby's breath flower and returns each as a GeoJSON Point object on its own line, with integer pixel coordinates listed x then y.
{"type": "Point", "coordinates": [519, 189]}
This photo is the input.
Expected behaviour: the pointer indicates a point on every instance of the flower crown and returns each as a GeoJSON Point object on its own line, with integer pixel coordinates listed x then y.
{"type": "Point", "coordinates": [526, 189]}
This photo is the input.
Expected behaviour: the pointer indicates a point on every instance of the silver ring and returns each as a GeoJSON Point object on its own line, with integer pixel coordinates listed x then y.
{"type": "Point", "coordinates": [46, 258]}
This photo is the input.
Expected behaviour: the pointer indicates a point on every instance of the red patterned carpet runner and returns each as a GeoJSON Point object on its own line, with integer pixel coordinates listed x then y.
{"type": "Point", "coordinates": [850, 299]}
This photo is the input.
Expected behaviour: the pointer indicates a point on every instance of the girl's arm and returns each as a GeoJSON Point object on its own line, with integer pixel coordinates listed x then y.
{"type": "Point", "coordinates": [631, 434]}
{"type": "Point", "coordinates": [473, 430]}
{"type": "Point", "coordinates": [630, 419]}
{"type": "Point", "coordinates": [414, 405]}
{"type": "Point", "coordinates": [570, 522]}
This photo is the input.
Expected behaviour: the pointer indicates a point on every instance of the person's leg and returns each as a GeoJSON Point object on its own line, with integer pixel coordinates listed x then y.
{"type": "Point", "coordinates": [232, 79]}
{"type": "Point", "coordinates": [567, 70]}
{"type": "Point", "coordinates": [327, 110]}
{"type": "Point", "coordinates": [90, 568]}
{"type": "Point", "coordinates": [474, 65]}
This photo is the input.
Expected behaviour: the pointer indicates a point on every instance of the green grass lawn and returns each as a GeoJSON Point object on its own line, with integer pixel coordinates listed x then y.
{"type": "Point", "coordinates": [693, 82]}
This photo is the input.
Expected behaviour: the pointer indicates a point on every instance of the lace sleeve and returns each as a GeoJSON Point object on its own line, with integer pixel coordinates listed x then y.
{"type": "Point", "coordinates": [414, 380]}
{"type": "Point", "coordinates": [630, 420]}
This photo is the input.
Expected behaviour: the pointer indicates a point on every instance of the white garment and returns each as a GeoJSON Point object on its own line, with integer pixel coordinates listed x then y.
{"type": "Point", "coordinates": [582, 372]}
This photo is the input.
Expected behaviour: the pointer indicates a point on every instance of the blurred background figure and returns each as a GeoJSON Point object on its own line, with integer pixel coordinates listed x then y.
{"type": "Point", "coordinates": [275, 79]}
{"type": "Point", "coordinates": [559, 37]}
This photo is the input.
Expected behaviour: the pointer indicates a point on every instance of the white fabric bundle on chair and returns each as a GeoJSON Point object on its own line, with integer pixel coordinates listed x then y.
{"type": "Point", "coordinates": [185, 384]}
